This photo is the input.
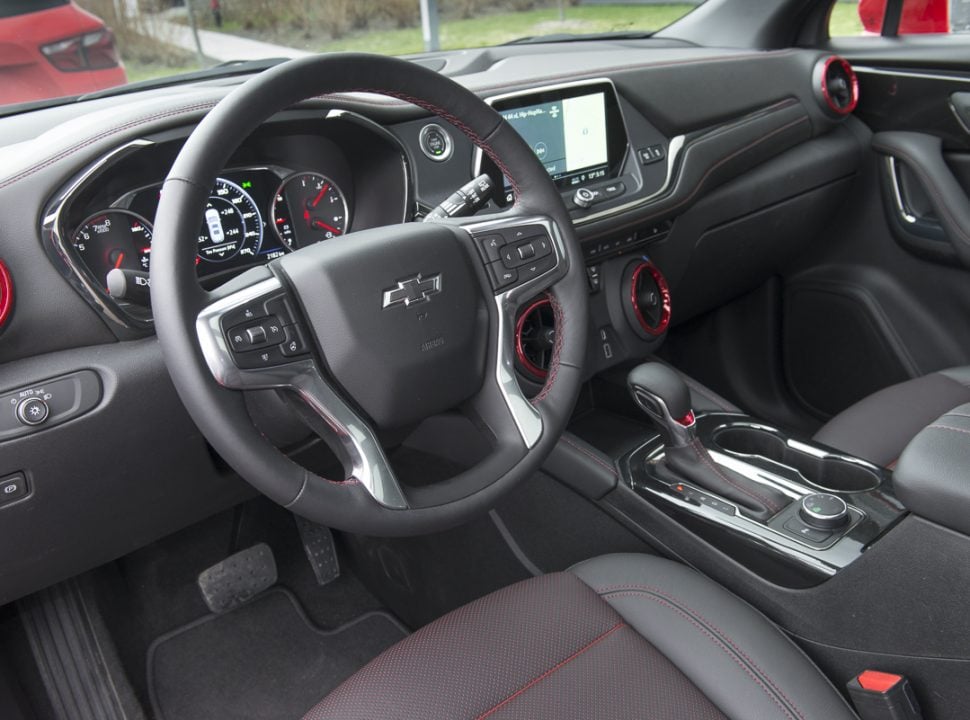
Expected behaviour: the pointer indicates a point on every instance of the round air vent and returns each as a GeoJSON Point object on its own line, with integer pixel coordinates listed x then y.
{"type": "Point", "coordinates": [647, 304]}
{"type": "Point", "coordinates": [836, 85]}
{"type": "Point", "coordinates": [535, 338]}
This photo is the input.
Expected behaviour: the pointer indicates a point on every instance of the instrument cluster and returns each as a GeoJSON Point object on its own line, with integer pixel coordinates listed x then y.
{"type": "Point", "coordinates": [252, 215]}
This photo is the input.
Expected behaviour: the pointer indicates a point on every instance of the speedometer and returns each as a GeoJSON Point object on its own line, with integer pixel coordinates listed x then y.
{"type": "Point", "coordinates": [307, 208]}
{"type": "Point", "coordinates": [232, 226]}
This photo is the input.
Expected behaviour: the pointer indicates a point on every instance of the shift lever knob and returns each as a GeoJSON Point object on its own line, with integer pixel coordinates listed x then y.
{"type": "Point", "coordinates": [665, 397]}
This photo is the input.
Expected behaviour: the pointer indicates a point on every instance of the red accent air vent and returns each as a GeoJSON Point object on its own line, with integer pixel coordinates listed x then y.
{"type": "Point", "coordinates": [6, 294]}
{"type": "Point", "coordinates": [650, 298]}
{"type": "Point", "coordinates": [535, 337]}
{"type": "Point", "coordinates": [836, 85]}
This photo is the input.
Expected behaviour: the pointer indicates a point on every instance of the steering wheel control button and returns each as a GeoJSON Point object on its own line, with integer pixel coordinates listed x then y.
{"type": "Point", "coordinates": [13, 487]}
{"type": "Point", "coordinates": [536, 268]}
{"type": "Point", "coordinates": [490, 247]}
{"type": "Point", "coordinates": [823, 511]}
{"type": "Point", "coordinates": [248, 314]}
{"type": "Point", "coordinates": [255, 359]}
{"type": "Point", "coordinates": [33, 411]}
{"type": "Point", "coordinates": [47, 403]}
{"type": "Point", "coordinates": [502, 276]}
{"type": "Point", "coordinates": [435, 142]}
{"type": "Point", "coordinates": [294, 344]}
{"type": "Point", "coordinates": [526, 251]}
{"type": "Point", "coordinates": [256, 335]}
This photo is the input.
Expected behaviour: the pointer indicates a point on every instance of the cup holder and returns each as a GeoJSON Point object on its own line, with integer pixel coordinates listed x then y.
{"type": "Point", "coordinates": [829, 472]}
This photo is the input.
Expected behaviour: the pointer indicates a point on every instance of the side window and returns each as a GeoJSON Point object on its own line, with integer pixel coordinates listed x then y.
{"type": "Point", "coordinates": [869, 17]}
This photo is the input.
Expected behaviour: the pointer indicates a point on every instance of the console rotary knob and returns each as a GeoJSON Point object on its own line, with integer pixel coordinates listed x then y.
{"type": "Point", "coordinates": [824, 511]}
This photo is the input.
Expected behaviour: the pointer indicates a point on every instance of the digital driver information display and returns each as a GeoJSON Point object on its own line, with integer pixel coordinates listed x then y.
{"type": "Point", "coordinates": [569, 136]}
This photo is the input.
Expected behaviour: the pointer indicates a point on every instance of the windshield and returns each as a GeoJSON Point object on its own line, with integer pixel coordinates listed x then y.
{"type": "Point", "coordinates": [58, 48]}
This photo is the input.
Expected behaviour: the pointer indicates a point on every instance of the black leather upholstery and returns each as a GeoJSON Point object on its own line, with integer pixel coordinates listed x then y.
{"type": "Point", "coordinates": [619, 636]}
{"type": "Point", "coordinates": [930, 477]}
{"type": "Point", "coordinates": [880, 426]}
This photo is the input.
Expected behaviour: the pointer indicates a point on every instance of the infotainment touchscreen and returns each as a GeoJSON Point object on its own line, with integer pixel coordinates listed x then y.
{"type": "Point", "coordinates": [576, 131]}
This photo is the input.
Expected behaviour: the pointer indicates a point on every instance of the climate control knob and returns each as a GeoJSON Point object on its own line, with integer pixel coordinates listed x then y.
{"type": "Point", "coordinates": [824, 511]}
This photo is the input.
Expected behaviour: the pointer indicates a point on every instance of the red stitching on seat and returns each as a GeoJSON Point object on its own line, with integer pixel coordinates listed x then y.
{"type": "Point", "coordinates": [652, 592]}
{"type": "Point", "coordinates": [550, 671]}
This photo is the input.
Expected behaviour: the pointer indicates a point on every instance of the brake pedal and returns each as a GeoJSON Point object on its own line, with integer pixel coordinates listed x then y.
{"type": "Point", "coordinates": [320, 550]}
{"type": "Point", "coordinates": [238, 578]}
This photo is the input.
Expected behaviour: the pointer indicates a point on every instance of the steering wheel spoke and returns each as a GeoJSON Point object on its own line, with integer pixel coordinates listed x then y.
{"type": "Point", "coordinates": [254, 339]}
{"type": "Point", "coordinates": [523, 257]}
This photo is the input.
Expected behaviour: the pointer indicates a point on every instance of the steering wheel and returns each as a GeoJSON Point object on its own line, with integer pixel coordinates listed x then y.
{"type": "Point", "coordinates": [376, 329]}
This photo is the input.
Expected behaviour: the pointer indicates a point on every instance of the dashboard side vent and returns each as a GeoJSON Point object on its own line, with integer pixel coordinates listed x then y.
{"type": "Point", "coordinates": [836, 86]}
{"type": "Point", "coordinates": [535, 338]}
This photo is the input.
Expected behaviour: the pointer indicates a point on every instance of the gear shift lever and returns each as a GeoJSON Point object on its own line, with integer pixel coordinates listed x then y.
{"type": "Point", "coordinates": [665, 398]}
{"type": "Point", "coordinates": [663, 395]}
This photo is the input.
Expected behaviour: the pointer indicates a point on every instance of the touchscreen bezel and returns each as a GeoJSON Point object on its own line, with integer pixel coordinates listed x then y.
{"type": "Point", "coordinates": [617, 141]}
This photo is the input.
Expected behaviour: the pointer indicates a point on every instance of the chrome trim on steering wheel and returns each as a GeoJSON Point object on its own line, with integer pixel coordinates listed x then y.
{"type": "Point", "coordinates": [362, 451]}
{"type": "Point", "coordinates": [527, 419]}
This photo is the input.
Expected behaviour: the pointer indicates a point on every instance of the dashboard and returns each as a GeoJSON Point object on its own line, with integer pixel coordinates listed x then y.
{"type": "Point", "coordinates": [690, 174]}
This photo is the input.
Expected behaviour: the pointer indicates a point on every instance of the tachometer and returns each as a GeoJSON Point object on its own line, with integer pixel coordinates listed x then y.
{"type": "Point", "coordinates": [113, 239]}
{"type": "Point", "coordinates": [307, 208]}
{"type": "Point", "coordinates": [232, 226]}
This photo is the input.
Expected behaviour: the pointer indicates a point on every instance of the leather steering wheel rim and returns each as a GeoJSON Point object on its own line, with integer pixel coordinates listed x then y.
{"type": "Point", "coordinates": [178, 299]}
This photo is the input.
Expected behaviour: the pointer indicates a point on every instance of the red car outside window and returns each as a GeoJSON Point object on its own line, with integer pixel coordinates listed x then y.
{"type": "Point", "coordinates": [918, 16]}
{"type": "Point", "coordinates": [53, 48]}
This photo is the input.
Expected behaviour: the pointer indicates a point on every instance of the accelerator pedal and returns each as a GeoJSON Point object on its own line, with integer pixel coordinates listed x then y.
{"type": "Point", "coordinates": [238, 578]}
{"type": "Point", "coordinates": [320, 550]}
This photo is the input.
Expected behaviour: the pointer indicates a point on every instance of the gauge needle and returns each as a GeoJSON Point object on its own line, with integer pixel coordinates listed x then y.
{"type": "Point", "coordinates": [121, 259]}
{"type": "Point", "coordinates": [319, 197]}
{"type": "Point", "coordinates": [317, 224]}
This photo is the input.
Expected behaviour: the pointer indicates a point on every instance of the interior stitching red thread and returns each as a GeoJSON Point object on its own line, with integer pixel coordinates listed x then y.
{"type": "Point", "coordinates": [454, 120]}
{"type": "Point", "coordinates": [590, 455]}
{"type": "Point", "coordinates": [101, 136]}
{"type": "Point", "coordinates": [652, 593]}
{"type": "Point", "coordinates": [702, 455]}
{"type": "Point", "coordinates": [556, 349]}
{"type": "Point", "coordinates": [550, 671]}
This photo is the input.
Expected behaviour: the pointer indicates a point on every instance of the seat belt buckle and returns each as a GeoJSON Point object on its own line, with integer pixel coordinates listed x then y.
{"type": "Point", "coordinates": [883, 696]}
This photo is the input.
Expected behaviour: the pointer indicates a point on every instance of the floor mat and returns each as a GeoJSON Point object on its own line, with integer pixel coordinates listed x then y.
{"type": "Point", "coordinates": [262, 661]}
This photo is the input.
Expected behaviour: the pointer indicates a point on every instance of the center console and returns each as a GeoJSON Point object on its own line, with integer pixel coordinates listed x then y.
{"type": "Point", "coordinates": [790, 510]}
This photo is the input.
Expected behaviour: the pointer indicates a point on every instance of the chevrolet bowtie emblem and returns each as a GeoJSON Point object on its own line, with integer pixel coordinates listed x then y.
{"type": "Point", "coordinates": [412, 291]}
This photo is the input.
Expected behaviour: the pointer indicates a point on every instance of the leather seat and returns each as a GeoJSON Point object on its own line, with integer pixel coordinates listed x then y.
{"type": "Point", "coordinates": [880, 426]}
{"type": "Point", "coordinates": [620, 636]}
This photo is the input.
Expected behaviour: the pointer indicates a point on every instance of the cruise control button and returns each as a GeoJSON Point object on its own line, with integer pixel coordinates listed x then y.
{"type": "Point", "coordinates": [243, 315]}
{"type": "Point", "coordinates": [294, 343]}
{"type": "Point", "coordinates": [264, 357]}
{"type": "Point", "coordinates": [502, 276]}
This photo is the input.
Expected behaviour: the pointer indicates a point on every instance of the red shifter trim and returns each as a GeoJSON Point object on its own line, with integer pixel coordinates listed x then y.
{"type": "Point", "coordinates": [853, 83]}
{"type": "Point", "coordinates": [6, 294]}
{"type": "Point", "coordinates": [534, 369]}
{"type": "Point", "coordinates": [661, 327]}
{"type": "Point", "coordinates": [880, 682]}
{"type": "Point", "coordinates": [688, 419]}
